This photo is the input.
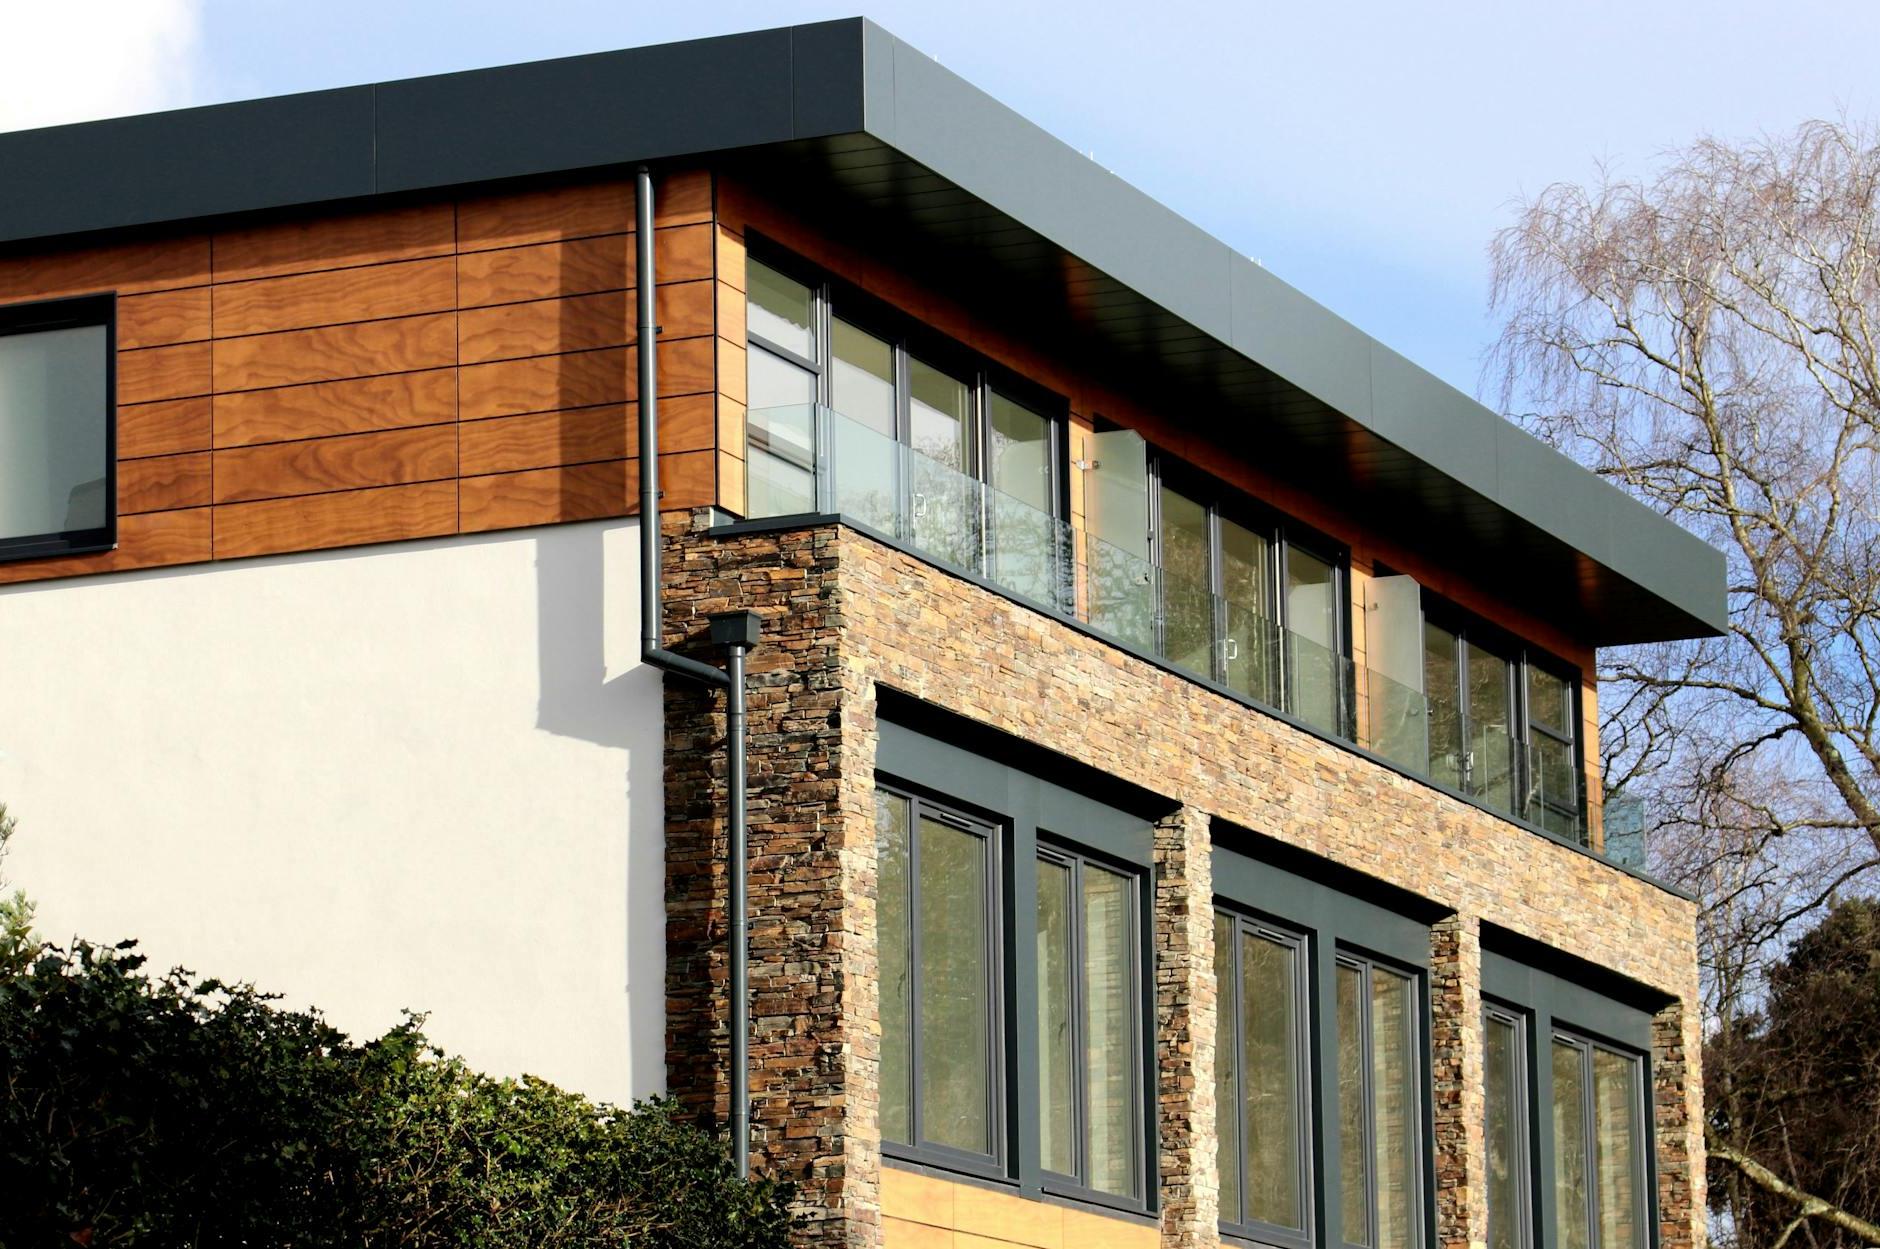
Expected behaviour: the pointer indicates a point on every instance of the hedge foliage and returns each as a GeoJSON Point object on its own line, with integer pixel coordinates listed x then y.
{"type": "Point", "coordinates": [158, 1110]}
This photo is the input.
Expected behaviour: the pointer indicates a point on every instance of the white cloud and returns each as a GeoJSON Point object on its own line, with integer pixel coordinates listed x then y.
{"type": "Point", "coordinates": [74, 60]}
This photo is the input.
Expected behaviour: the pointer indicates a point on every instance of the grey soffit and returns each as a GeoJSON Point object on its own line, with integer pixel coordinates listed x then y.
{"type": "Point", "coordinates": [850, 120]}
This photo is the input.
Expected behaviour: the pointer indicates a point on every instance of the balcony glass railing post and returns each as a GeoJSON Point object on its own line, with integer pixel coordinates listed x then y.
{"type": "Point", "coordinates": [811, 458]}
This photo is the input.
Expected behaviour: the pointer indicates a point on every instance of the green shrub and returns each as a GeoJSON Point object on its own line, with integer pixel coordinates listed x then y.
{"type": "Point", "coordinates": [155, 1110]}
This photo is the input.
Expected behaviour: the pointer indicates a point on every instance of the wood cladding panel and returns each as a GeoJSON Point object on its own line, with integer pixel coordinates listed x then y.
{"type": "Point", "coordinates": [304, 300]}
{"type": "Point", "coordinates": [163, 428]}
{"type": "Point", "coordinates": [581, 492]}
{"type": "Point", "coordinates": [163, 317]}
{"type": "Point", "coordinates": [360, 349]}
{"type": "Point", "coordinates": [350, 518]}
{"type": "Point", "coordinates": [162, 483]}
{"type": "Point", "coordinates": [335, 379]}
{"type": "Point", "coordinates": [352, 406]}
{"type": "Point", "coordinates": [334, 242]}
{"type": "Point", "coordinates": [349, 462]}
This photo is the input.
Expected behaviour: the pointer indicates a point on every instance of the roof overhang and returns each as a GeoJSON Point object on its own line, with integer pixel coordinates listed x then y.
{"type": "Point", "coordinates": [856, 120]}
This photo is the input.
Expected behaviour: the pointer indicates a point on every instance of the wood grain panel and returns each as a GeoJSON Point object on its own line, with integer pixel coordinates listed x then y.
{"type": "Point", "coordinates": [544, 327]}
{"type": "Point", "coordinates": [163, 373]}
{"type": "Point", "coordinates": [544, 215]}
{"type": "Point", "coordinates": [163, 428]}
{"type": "Point", "coordinates": [303, 300]}
{"type": "Point", "coordinates": [128, 268]}
{"type": "Point", "coordinates": [730, 483]}
{"type": "Point", "coordinates": [545, 439]}
{"type": "Point", "coordinates": [350, 462]}
{"type": "Point", "coordinates": [731, 380]}
{"type": "Point", "coordinates": [682, 197]}
{"type": "Point", "coordinates": [336, 351]}
{"type": "Point", "coordinates": [163, 317]}
{"type": "Point", "coordinates": [730, 312]}
{"type": "Point", "coordinates": [730, 255]}
{"type": "Point", "coordinates": [682, 254]}
{"type": "Point", "coordinates": [319, 521]}
{"type": "Point", "coordinates": [161, 483]}
{"type": "Point", "coordinates": [730, 426]}
{"type": "Point", "coordinates": [544, 383]}
{"type": "Point", "coordinates": [327, 408]}
{"type": "Point", "coordinates": [582, 492]}
{"type": "Point", "coordinates": [687, 366]}
{"type": "Point", "coordinates": [150, 540]}
{"type": "Point", "coordinates": [330, 242]}
{"type": "Point", "coordinates": [509, 444]}
{"type": "Point", "coordinates": [545, 271]}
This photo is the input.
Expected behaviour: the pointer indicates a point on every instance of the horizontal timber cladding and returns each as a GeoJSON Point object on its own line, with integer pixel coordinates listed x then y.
{"type": "Point", "coordinates": [431, 368]}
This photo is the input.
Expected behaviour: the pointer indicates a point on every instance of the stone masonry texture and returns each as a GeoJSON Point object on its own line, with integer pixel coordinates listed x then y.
{"type": "Point", "coordinates": [845, 616]}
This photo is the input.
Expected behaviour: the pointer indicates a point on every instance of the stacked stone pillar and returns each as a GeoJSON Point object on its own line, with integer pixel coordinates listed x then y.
{"type": "Point", "coordinates": [1185, 1005]}
{"type": "Point", "coordinates": [1456, 1076]}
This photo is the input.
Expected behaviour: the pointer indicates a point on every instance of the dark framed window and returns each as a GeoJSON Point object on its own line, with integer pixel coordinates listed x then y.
{"type": "Point", "coordinates": [1250, 600]}
{"type": "Point", "coordinates": [1089, 1024]}
{"type": "Point", "coordinates": [853, 408]}
{"type": "Point", "coordinates": [1501, 722]}
{"type": "Point", "coordinates": [1263, 1080]}
{"type": "Point", "coordinates": [1380, 1182]}
{"type": "Point", "coordinates": [58, 452]}
{"type": "Point", "coordinates": [1599, 1145]}
{"type": "Point", "coordinates": [942, 1052]}
{"type": "Point", "coordinates": [1507, 1123]}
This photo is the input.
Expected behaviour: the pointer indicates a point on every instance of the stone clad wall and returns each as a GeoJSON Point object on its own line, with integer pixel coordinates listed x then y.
{"type": "Point", "coordinates": [844, 614]}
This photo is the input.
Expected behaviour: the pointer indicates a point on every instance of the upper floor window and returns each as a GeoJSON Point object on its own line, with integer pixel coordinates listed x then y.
{"type": "Point", "coordinates": [1089, 1003]}
{"type": "Point", "coordinates": [57, 474]}
{"type": "Point", "coordinates": [850, 411]}
{"type": "Point", "coordinates": [941, 1065]}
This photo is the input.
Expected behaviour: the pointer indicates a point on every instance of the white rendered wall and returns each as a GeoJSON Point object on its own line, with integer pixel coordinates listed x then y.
{"type": "Point", "coordinates": [425, 775]}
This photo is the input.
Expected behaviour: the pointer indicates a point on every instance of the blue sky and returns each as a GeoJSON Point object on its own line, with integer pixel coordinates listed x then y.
{"type": "Point", "coordinates": [1365, 152]}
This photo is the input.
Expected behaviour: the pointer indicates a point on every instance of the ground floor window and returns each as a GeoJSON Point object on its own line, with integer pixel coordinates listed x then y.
{"type": "Point", "coordinates": [940, 1055]}
{"type": "Point", "coordinates": [1088, 1028]}
{"type": "Point", "coordinates": [1598, 1136]}
{"type": "Point", "coordinates": [1379, 1099]}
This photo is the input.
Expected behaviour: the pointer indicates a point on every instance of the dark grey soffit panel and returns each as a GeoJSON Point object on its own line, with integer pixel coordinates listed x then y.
{"type": "Point", "coordinates": [1130, 271]}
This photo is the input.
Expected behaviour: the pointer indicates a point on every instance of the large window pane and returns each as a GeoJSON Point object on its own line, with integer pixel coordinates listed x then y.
{"type": "Point", "coordinates": [945, 499]}
{"type": "Point", "coordinates": [1226, 1086]}
{"type": "Point", "coordinates": [1571, 1196]}
{"type": "Point", "coordinates": [1394, 1098]}
{"type": "Point", "coordinates": [861, 390]}
{"type": "Point", "coordinates": [1491, 725]}
{"type": "Point", "coordinates": [780, 436]}
{"type": "Point", "coordinates": [1187, 583]}
{"type": "Point", "coordinates": [861, 377]}
{"type": "Point", "coordinates": [1312, 612]}
{"type": "Point", "coordinates": [1550, 700]}
{"type": "Point", "coordinates": [1057, 1086]}
{"type": "Point", "coordinates": [955, 999]}
{"type": "Point", "coordinates": [1442, 683]}
{"type": "Point", "coordinates": [1270, 1063]}
{"type": "Point", "coordinates": [1502, 1119]}
{"type": "Point", "coordinates": [894, 922]}
{"type": "Point", "coordinates": [1354, 1179]}
{"type": "Point", "coordinates": [1252, 655]}
{"type": "Point", "coordinates": [1109, 1030]}
{"type": "Point", "coordinates": [54, 423]}
{"type": "Point", "coordinates": [1618, 1150]}
{"type": "Point", "coordinates": [780, 309]}
{"type": "Point", "coordinates": [1120, 587]}
{"type": "Point", "coordinates": [1022, 538]}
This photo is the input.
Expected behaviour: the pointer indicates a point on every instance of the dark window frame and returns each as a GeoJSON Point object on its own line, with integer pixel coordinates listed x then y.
{"type": "Point", "coordinates": [1283, 534]}
{"type": "Point", "coordinates": [910, 339]}
{"type": "Point", "coordinates": [1052, 848]}
{"type": "Point", "coordinates": [1520, 655]}
{"type": "Point", "coordinates": [1588, 1046]}
{"type": "Point", "coordinates": [996, 840]}
{"type": "Point", "coordinates": [73, 312]}
{"type": "Point", "coordinates": [1417, 1143]}
{"type": "Point", "coordinates": [1246, 921]}
{"type": "Point", "coordinates": [1521, 1112]}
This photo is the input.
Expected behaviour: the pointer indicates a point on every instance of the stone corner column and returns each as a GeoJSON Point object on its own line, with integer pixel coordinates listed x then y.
{"type": "Point", "coordinates": [1185, 1003]}
{"type": "Point", "coordinates": [1677, 1100]}
{"type": "Point", "coordinates": [1457, 1080]}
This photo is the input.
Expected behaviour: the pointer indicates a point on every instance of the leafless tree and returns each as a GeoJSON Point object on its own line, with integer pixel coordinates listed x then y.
{"type": "Point", "coordinates": [1707, 339]}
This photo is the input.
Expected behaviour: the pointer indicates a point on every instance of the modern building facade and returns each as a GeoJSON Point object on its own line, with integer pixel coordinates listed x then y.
{"type": "Point", "coordinates": [1170, 767]}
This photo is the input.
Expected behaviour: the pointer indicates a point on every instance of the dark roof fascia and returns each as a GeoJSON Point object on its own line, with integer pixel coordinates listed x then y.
{"type": "Point", "coordinates": [810, 82]}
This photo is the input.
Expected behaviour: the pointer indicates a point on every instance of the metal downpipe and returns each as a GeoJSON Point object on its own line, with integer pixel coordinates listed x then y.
{"type": "Point", "coordinates": [737, 631]}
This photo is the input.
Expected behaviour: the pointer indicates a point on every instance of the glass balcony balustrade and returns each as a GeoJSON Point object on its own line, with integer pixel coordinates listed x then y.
{"type": "Point", "coordinates": [808, 459]}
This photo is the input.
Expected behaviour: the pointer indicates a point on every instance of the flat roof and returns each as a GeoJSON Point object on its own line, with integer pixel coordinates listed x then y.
{"type": "Point", "coordinates": [880, 132]}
